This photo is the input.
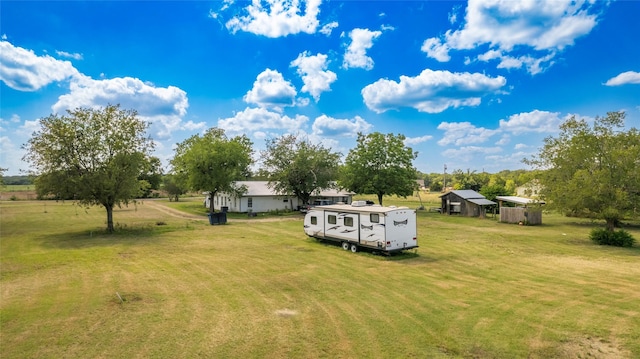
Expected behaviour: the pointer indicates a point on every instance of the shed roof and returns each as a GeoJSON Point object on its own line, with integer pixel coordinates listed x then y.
{"type": "Point", "coordinates": [480, 201]}
{"type": "Point", "coordinates": [465, 194]}
{"type": "Point", "coordinates": [519, 200]}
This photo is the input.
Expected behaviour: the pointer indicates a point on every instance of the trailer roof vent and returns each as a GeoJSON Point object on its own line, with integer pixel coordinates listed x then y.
{"type": "Point", "coordinates": [358, 203]}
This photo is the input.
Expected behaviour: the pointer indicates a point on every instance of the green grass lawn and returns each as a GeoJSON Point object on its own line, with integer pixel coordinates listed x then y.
{"type": "Point", "coordinates": [168, 286]}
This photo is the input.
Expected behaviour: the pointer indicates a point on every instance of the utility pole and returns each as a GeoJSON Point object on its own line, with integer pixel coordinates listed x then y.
{"type": "Point", "coordinates": [444, 181]}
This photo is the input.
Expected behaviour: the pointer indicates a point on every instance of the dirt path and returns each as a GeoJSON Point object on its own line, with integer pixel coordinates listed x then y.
{"type": "Point", "coordinates": [173, 212]}
{"type": "Point", "coordinates": [179, 214]}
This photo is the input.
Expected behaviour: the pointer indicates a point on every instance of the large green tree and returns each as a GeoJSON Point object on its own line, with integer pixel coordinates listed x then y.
{"type": "Point", "coordinates": [213, 162]}
{"type": "Point", "coordinates": [296, 166]}
{"type": "Point", "coordinates": [380, 164]}
{"type": "Point", "coordinates": [173, 186]}
{"type": "Point", "coordinates": [592, 170]}
{"type": "Point", "coordinates": [151, 177]}
{"type": "Point", "coordinates": [93, 156]}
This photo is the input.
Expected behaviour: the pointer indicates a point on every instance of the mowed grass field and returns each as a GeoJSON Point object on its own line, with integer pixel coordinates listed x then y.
{"type": "Point", "coordinates": [169, 285]}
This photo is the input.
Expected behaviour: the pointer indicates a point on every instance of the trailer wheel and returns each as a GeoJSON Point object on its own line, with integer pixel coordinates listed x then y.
{"type": "Point", "coordinates": [354, 248]}
{"type": "Point", "coordinates": [345, 246]}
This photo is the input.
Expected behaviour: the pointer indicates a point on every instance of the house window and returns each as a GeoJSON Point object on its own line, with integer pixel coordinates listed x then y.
{"type": "Point", "coordinates": [348, 221]}
{"type": "Point", "coordinates": [331, 219]}
{"type": "Point", "coordinates": [374, 218]}
{"type": "Point", "coordinates": [314, 220]}
{"type": "Point", "coordinates": [250, 202]}
{"type": "Point", "coordinates": [286, 200]}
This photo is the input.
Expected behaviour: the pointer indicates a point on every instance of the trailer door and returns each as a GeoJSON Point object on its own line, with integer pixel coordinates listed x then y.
{"type": "Point", "coordinates": [372, 231]}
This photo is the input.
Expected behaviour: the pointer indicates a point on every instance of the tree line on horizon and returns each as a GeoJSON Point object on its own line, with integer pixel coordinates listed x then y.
{"type": "Point", "coordinates": [104, 157]}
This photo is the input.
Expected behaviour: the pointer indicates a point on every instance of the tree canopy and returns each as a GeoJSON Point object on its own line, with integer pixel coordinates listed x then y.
{"type": "Point", "coordinates": [592, 171]}
{"type": "Point", "coordinates": [212, 162]}
{"type": "Point", "coordinates": [151, 177]}
{"type": "Point", "coordinates": [93, 156]}
{"type": "Point", "coordinates": [380, 164]}
{"type": "Point", "coordinates": [173, 187]}
{"type": "Point", "coordinates": [298, 167]}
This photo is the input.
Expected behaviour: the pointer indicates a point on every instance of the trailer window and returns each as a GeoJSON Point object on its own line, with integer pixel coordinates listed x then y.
{"type": "Point", "coordinates": [331, 219]}
{"type": "Point", "coordinates": [314, 220]}
{"type": "Point", "coordinates": [374, 218]}
{"type": "Point", "coordinates": [348, 221]}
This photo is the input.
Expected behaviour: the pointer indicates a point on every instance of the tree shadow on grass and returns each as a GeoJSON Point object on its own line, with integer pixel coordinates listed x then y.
{"type": "Point", "coordinates": [99, 237]}
{"type": "Point", "coordinates": [407, 255]}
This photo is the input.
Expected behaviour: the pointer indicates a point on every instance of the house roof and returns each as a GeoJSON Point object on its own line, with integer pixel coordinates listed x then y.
{"type": "Point", "coordinates": [256, 188]}
{"type": "Point", "coordinates": [261, 188]}
{"type": "Point", "coordinates": [518, 200]}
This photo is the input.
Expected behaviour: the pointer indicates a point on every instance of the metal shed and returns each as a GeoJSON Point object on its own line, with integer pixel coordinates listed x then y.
{"type": "Point", "coordinates": [465, 202]}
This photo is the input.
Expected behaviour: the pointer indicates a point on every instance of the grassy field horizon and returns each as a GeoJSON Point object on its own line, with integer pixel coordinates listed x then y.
{"type": "Point", "coordinates": [169, 285]}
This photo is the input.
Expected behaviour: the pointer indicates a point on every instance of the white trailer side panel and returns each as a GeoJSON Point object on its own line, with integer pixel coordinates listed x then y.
{"type": "Point", "coordinates": [314, 224]}
{"type": "Point", "coordinates": [342, 225]}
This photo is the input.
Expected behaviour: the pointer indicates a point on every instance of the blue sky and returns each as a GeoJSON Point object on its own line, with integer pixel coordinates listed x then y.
{"type": "Point", "coordinates": [474, 85]}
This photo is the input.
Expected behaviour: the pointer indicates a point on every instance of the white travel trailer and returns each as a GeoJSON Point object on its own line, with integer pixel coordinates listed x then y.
{"type": "Point", "coordinates": [387, 229]}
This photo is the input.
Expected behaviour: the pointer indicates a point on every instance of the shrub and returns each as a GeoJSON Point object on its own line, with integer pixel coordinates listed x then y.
{"type": "Point", "coordinates": [619, 238]}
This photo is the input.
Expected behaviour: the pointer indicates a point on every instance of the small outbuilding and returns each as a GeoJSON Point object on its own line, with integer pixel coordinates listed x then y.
{"type": "Point", "coordinates": [465, 202]}
{"type": "Point", "coordinates": [522, 210]}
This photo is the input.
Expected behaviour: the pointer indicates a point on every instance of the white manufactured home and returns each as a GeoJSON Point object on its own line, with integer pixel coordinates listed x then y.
{"type": "Point", "coordinates": [260, 197]}
{"type": "Point", "coordinates": [387, 229]}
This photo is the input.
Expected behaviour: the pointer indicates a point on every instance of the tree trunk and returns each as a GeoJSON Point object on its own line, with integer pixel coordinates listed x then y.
{"type": "Point", "coordinates": [611, 224]}
{"type": "Point", "coordinates": [380, 198]}
{"type": "Point", "coordinates": [211, 196]}
{"type": "Point", "coordinates": [109, 208]}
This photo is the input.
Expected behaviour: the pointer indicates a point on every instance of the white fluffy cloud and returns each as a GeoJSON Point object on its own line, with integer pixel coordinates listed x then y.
{"type": "Point", "coordinates": [436, 49]}
{"type": "Point", "coordinates": [534, 121]}
{"type": "Point", "coordinates": [431, 91]}
{"type": "Point", "coordinates": [314, 73]}
{"type": "Point", "coordinates": [542, 26]}
{"type": "Point", "coordinates": [163, 107]}
{"type": "Point", "coordinates": [23, 70]}
{"type": "Point", "coordinates": [271, 90]}
{"type": "Point", "coordinates": [325, 126]}
{"type": "Point", "coordinates": [417, 140]}
{"type": "Point", "coordinates": [278, 18]}
{"type": "Point", "coordinates": [75, 56]}
{"type": "Point", "coordinates": [327, 29]}
{"type": "Point", "coordinates": [466, 153]}
{"type": "Point", "coordinates": [533, 65]}
{"type": "Point", "coordinates": [463, 133]}
{"type": "Point", "coordinates": [260, 119]}
{"type": "Point", "coordinates": [629, 77]}
{"type": "Point", "coordinates": [356, 54]}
